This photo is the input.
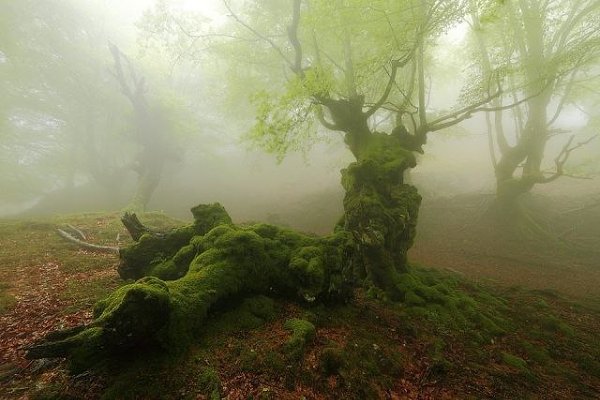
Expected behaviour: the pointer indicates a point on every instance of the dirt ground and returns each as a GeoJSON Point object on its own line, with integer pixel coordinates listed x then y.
{"type": "Point", "coordinates": [457, 234]}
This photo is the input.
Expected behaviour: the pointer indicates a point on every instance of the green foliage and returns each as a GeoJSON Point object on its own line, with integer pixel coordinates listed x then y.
{"type": "Point", "coordinates": [210, 384]}
{"type": "Point", "coordinates": [346, 50]}
{"type": "Point", "coordinates": [283, 124]}
{"type": "Point", "coordinates": [514, 361]}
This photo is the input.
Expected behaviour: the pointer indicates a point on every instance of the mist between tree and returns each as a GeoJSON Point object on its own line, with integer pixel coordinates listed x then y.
{"type": "Point", "coordinates": [164, 121]}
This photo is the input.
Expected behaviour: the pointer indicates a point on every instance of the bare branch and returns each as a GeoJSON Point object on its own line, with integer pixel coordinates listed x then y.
{"type": "Point", "coordinates": [259, 35]}
{"type": "Point", "coordinates": [395, 65]}
{"type": "Point", "coordinates": [324, 122]}
{"type": "Point", "coordinates": [118, 73]}
{"type": "Point", "coordinates": [490, 137]}
{"type": "Point", "coordinates": [86, 245]}
{"type": "Point", "coordinates": [292, 31]}
{"type": "Point", "coordinates": [464, 113]}
{"type": "Point", "coordinates": [565, 95]}
{"type": "Point", "coordinates": [77, 231]}
{"type": "Point", "coordinates": [563, 156]}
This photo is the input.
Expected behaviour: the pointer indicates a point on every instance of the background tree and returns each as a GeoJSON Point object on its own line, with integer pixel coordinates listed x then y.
{"type": "Point", "coordinates": [544, 50]}
{"type": "Point", "coordinates": [65, 123]}
{"type": "Point", "coordinates": [61, 117]}
{"type": "Point", "coordinates": [150, 127]}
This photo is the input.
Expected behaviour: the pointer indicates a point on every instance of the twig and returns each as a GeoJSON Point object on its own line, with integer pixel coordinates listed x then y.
{"type": "Point", "coordinates": [77, 231]}
{"type": "Point", "coordinates": [563, 156]}
{"type": "Point", "coordinates": [585, 207]}
{"type": "Point", "coordinates": [86, 245]}
{"type": "Point", "coordinates": [258, 34]}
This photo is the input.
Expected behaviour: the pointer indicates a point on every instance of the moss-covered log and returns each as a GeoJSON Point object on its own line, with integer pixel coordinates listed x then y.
{"type": "Point", "coordinates": [184, 274]}
{"type": "Point", "coordinates": [167, 256]}
{"type": "Point", "coordinates": [228, 262]}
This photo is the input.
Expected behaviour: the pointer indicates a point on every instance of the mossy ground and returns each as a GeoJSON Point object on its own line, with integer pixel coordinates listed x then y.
{"type": "Point", "coordinates": [450, 338]}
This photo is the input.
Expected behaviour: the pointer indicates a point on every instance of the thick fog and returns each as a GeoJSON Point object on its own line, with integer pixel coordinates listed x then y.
{"type": "Point", "coordinates": [70, 142]}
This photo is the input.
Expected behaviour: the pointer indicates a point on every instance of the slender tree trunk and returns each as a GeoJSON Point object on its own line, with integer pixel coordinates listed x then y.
{"type": "Point", "coordinates": [528, 152]}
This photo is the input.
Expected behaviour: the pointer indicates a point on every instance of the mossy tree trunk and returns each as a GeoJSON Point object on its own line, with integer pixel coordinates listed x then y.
{"type": "Point", "coordinates": [527, 153]}
{"type": "Point", "coordinates": [380, 210]}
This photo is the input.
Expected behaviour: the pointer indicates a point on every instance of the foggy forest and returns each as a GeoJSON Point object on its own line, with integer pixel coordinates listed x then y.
{"type": "Point", "coordinates": [299, 199]}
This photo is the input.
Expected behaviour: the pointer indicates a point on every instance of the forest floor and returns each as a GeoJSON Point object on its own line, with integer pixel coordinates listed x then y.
{"type": "Point", "coordinates": [532, 330]}
{"type": "Point", "coordinates": [458, 234]}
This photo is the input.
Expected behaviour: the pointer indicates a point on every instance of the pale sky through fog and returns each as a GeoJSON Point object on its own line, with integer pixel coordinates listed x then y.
{"type": "Point", "coordinates": [133, 9]}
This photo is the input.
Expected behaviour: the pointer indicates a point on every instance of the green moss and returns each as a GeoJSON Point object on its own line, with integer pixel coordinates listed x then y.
{"type": "Point", "coordinates": [514, 361]}
{"type": "Point", "coordinates": [590, 365]}
{"type": "Point", "coordinates": [413, 299]}
{"type": "Point", "coordinates": [248, 359]}
{"type": "Point", "coordinates": [303, 332]}
{"type": "Point", "coordinates": [488, 325]}
{"type": "Point", "coordinates": [7, 301]}
{"type": "Point", "coordinates": [370, 368]}
{"type": "Point", "coordinates": [252, 313]}
{"type": "Point", "coordinates": [541, 304]}
{"type": "Point", "coordinates": [210, 384]}
{"type": "Point", "coordinates": [331, 360]}
{"type": "Point", "coordinates": [536, 353]}
{"type": "Point", "coordinates": [273, 361]}
{"type": "Point", "coordinates": [168, 255]}
{"type": "Point", "coordinates": [551, 323]}
{"type": "Point", "coordinates": [208, 216]}
{"type": "Point", "coordinates": [381, 212]}
{"type": "Point", "coordinates": [438, 298]}
{"type": "Point", "coordinates": [89, 350]}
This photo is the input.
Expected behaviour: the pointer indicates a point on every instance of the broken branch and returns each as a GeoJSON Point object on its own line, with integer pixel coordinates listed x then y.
{"type": "Point", "coordinates": [86, 245]}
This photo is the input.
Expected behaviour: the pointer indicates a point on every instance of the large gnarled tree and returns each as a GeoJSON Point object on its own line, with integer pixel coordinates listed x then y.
{"type": "Point", "coordinates": [349, 63]}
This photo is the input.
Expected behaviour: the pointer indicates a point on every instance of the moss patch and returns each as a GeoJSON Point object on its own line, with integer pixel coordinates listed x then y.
{"type": "Point", "coordinates": [210, 384]}
{"type": "Point", "coordinates": [303, 333]}
{"type": "Point", "coordinates": [514, 361]}
{"type": "Point", "coordinates": [7, 301]}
